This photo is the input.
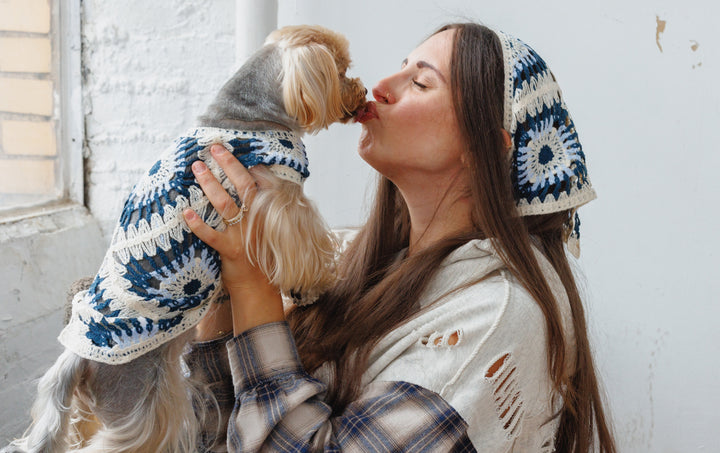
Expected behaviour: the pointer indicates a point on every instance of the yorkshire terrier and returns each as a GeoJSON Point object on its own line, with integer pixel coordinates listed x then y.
{"type": "Point", "coordinates": [120, 384]}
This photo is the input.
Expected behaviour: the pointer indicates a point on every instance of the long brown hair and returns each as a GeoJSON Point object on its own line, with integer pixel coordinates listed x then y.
{"type": "Point", "coordinates": [376, 293]}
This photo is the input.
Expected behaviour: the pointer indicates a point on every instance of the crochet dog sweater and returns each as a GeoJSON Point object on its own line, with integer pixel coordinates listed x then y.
{"type": "Point", "coordinates": [158, 279]}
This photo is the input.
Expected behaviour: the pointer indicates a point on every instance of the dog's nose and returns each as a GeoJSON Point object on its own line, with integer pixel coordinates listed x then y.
{"type": "Point", "coordinates": [366, 92]}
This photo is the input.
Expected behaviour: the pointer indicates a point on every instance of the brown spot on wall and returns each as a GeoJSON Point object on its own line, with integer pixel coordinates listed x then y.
{"type": "Point", "coordinates": [659, 29]}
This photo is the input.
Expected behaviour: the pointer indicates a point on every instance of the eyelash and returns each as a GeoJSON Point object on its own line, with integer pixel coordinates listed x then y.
{"type": "Point", "coordinates": [419, 85]}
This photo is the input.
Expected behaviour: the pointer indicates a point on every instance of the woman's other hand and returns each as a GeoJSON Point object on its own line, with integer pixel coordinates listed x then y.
{"type": "Point", "coordinates": [253, 299]}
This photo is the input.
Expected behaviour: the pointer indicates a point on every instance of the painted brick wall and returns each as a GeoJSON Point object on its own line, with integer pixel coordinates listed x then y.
{"type": "Point", "coordinates": [146, 78]}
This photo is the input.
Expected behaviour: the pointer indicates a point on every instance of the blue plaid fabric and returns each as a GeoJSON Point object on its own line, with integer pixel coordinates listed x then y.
{"type": "Point", "coordinates": [278, 407]}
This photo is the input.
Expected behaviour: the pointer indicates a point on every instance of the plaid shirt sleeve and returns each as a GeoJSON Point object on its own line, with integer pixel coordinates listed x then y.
{"type": "Point", "coordinates": [278, 407]}
{"type": "Point", "coordinates": [210, 369]}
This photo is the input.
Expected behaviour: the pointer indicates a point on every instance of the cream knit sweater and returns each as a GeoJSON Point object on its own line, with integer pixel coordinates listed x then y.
{"type": "Point", "coordinates": [496, 374]}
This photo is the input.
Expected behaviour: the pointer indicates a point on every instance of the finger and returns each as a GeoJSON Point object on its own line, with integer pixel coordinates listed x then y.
{"type": "Point", "coordinates": [203, 231]}
{"type": "Point", "coordinates": [216, 193]}
{"type": "Point", "coordinates": [236, 172]}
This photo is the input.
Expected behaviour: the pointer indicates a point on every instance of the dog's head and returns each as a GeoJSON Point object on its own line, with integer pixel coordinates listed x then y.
{"type": "Point", "coordinates": [316, 89]}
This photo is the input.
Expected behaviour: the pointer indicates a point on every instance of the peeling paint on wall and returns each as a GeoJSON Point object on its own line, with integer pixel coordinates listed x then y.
{"type": "Point", "coordinates": [659, 29]}
{"type": "Point", "coordinates": [694, 45]}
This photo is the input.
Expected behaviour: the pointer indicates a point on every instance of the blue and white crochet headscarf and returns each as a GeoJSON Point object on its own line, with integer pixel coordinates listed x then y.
{"type": "Point", "coordinates": [157, 279]}
{"type": "Point", "coordinates": [548, 163]}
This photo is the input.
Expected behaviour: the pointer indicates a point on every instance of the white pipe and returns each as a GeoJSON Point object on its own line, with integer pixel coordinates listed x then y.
{"type": "Point", "coordinates": [254, 20]}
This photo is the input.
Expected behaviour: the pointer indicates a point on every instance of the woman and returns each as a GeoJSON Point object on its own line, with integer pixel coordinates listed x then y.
{"type": "Point", "coordinates": [456, 324]}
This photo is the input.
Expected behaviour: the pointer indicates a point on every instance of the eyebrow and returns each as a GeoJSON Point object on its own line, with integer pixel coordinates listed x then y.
{"type": "Point", "coordinates": [424, 64]}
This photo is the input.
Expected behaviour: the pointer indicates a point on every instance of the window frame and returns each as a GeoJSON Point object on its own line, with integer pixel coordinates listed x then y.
{"type": "Point", "coordinates": [71, 133]}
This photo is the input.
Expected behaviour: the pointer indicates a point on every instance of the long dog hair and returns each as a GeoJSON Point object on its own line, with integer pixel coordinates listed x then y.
{"type": "Point", "coordinates": [150, 404]}
{"type": "Point", "coordinates": [146, 405]}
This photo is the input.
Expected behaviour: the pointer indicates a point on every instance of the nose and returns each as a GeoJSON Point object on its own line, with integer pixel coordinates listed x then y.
{"type": "Point", "coordinates": [382, 94]}
{"type": "Point", "coordinates": [386, 90]}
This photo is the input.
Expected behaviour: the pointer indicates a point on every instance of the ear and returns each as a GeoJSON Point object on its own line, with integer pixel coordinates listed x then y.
{"type": "Point", "coordinates": [311, 86]}
{"type": "Point", "coordinates": [507, 140]}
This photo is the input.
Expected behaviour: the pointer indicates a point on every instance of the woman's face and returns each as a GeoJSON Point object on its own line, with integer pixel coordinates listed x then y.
{"type": "Point", "coordinates": [411, 130]}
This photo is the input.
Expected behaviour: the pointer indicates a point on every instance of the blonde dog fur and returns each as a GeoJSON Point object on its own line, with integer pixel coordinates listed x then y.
{"type": "Point", "coordinates": [149, 404]}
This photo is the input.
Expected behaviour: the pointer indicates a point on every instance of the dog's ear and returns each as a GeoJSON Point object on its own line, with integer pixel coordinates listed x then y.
{"type": "Point", "coordinates": [288, 238]}
{"type": "Point", "coordinates": [311, 86]}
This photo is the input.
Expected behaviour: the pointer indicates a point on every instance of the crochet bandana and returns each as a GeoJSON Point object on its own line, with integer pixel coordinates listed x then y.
{"type": "Point", "coordinates": [157, 279]}
{"type": "Point", "coordinates": [548, 163]}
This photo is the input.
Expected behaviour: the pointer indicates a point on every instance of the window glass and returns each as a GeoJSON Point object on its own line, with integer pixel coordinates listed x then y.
{"type": "Point", "coordinates": [29, 158]}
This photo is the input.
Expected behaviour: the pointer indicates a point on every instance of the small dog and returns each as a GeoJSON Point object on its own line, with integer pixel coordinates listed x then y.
{"type": "Point", "coordinates": [119, 385]}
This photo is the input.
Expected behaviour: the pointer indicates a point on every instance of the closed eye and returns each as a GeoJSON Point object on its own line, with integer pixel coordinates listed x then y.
{"type": "Point", "coordinates": [419, 85]}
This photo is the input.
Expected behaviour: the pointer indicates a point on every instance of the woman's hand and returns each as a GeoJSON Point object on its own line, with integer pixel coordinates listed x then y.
{"type": "Point", "coordinates": [253, 299]}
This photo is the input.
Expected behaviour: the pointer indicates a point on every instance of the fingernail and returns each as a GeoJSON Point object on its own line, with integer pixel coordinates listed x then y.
{"type": "Point", "coordinates": [199, 167]}
{"type": "Point", "coordinates": [189, 214]}
{"type": "Point", "coordinates": [217, 149]}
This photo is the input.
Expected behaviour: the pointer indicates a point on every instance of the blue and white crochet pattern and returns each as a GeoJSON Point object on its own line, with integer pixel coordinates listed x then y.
{"type": "Point", "coordinates": [548, 163]}
{"type": "Point", "coordinates": [157, 279]}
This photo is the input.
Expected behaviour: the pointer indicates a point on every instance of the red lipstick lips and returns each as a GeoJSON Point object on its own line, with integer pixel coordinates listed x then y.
{"type": "Point", "coordinates": [367, 113]}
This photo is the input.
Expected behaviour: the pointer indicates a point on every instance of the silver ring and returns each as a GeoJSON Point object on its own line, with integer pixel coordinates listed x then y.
{"type": "Point", "coordinates": [238, 217]}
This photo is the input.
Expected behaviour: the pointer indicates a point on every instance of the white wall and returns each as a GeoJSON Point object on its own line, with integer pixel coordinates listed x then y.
{"type": "Point", "coordinates": [646, 119]}
{"type": "Point", "coordinates": [39, 259]}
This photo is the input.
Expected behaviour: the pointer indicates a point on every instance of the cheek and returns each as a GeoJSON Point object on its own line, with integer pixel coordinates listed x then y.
{"type": "Point", "coordinates": [429, 127]}
{"type": "Point", "coordinates": [410, 122]}
{"type": "Point", "coordinates": [434, 137]}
